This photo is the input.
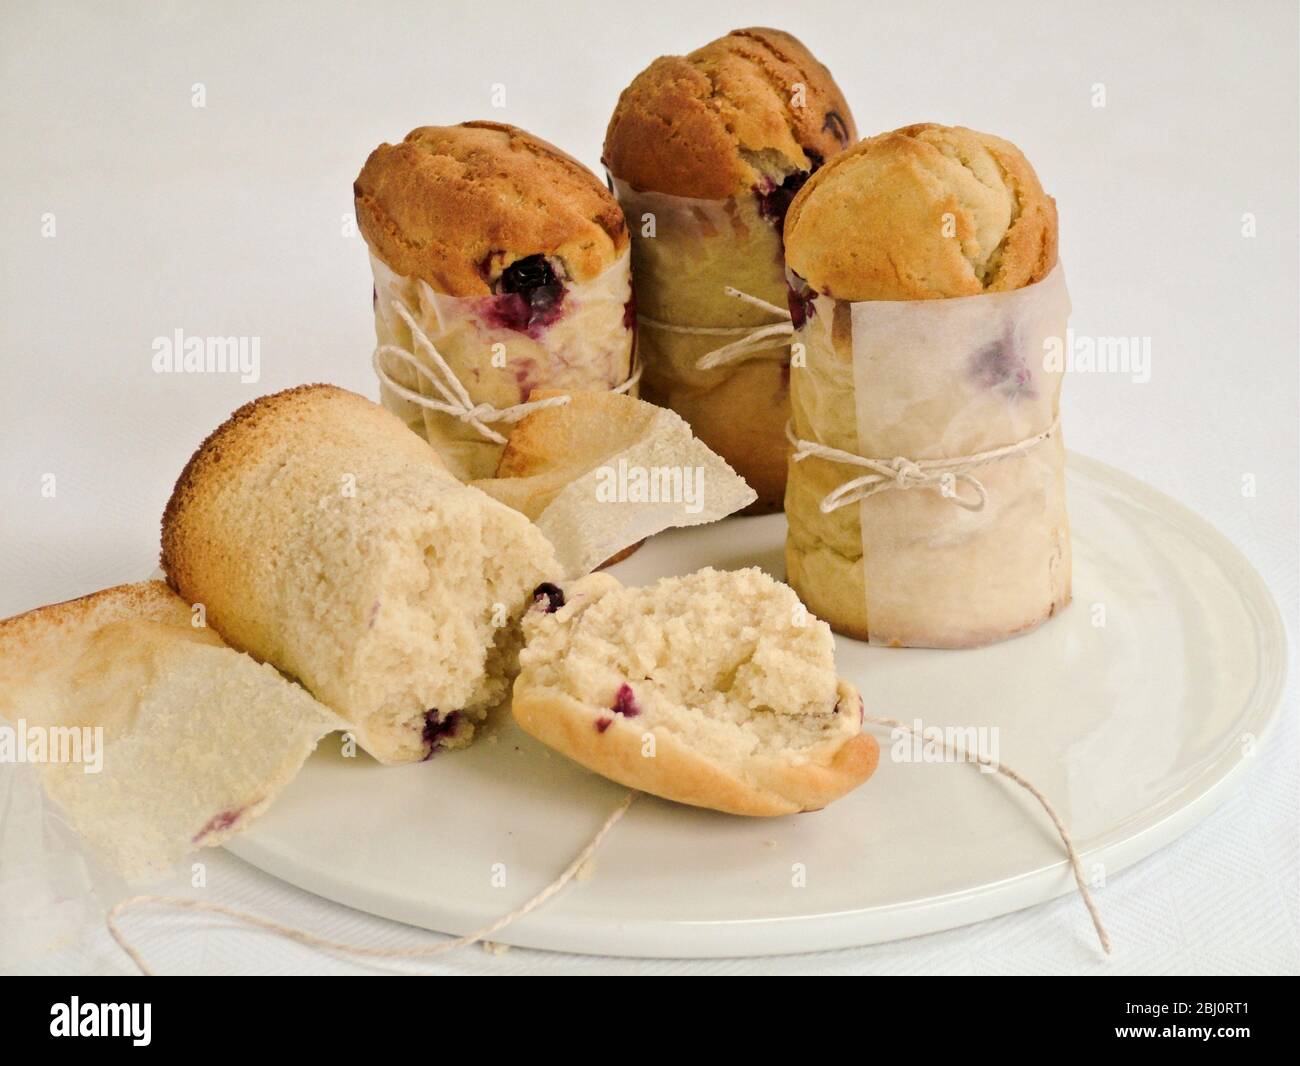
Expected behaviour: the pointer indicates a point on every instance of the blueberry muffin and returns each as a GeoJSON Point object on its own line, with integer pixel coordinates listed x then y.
{"type": "Point", "coordinates": [714, 689]}
{"type": "Point", "coordinates": [325, 538]}
{"type": "Point", "coordinates": [928, 213]}
{"type": "Point", "coordinates": [512, 258]}
{"type": "Point", "coordinates": [706, 152]}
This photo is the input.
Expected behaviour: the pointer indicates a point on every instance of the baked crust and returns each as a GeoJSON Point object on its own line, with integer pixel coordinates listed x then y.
{"type": "Point", "coordinates": [456, 205]}
{"type": "Point", "coordinates": [573, 437]}
{"type": "Point", "coordinates": [147, 600]}
{"type": "Point", "coordinates": [554, 446]}
{"type": "Point", "coordinates": [760, 787]}
{"type": "Point", "coordinates": [31, 641]}
{"type": "Point", "coordinates": [870, 224]}
{"type": "Point", "coordinates": [235, 441]}
{"type": "Point", "coordinates": [718, 121]}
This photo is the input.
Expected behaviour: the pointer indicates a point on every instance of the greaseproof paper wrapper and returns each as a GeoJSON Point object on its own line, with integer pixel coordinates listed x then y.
{"type": "Point", "coordinates": [589, 346]}
{"type": "Point", "coordinates": [933, 379]}
{"type": "Point", "coordinates": [177, 740]}
{"type": "Point", "coordinates": [684, 253]}
{"type": "Point", "coordinates": [51, 896]}
{"type": "Point", "coordinates": [603, 472]}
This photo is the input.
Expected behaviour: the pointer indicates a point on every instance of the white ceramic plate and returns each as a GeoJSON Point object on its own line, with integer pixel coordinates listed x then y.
{"type": "Point", "coordinates": [1135, 730]}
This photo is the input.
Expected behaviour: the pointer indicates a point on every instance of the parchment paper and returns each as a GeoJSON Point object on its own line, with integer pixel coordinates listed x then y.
{"type": "Point", "coordinates": [685, 253]}
{"type": "Point", "coordinates": [941, 379]}
{"type": "Point", "coordinates": [587, 347]}
{"type": "Point", "coordinates": [586, 474]}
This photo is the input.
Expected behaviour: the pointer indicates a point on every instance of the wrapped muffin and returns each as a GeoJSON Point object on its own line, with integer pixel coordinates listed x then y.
{"type": "Point", "coordinates": [705, 153]}
{"type": "Point", "coordinates": [501, 267]}
{"type": "Point", "coordinates": [926, 499]}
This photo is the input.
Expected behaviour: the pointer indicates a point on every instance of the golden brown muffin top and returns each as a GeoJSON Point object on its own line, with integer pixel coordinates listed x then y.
{"type": "Point", "coordinates": [922, 212]}
{"type": "Point", "coordinates": [456, 205]}
{"type": "Point", "coordinates": [726, 117]}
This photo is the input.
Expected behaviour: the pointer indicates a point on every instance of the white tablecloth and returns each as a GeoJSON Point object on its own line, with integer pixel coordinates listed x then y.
{"type": "Point", "coordinates": [128, 213]}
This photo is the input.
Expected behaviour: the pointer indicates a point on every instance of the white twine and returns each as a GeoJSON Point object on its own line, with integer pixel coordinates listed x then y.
{"type": "Point", "coordinates": [574, 871]}
{"type": "Point", "coordinates": [751, 338]}
{"type": "Point", "coordinates": [1076, 864]}
{"type": "Point", "coordinates": [301, 936]}
{"type": "Point", "coordinates": [941, 475]}
{"type": "Point", "coordinates": [456, 400]}
{"type": "Point", "coordinates": [632, 378]}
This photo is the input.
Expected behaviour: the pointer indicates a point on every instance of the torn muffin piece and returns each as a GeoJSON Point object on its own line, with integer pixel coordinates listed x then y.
{"type": "Point", "coordinates": [324, 537]}
{"type": "Point", "coordinates": [715, 689]}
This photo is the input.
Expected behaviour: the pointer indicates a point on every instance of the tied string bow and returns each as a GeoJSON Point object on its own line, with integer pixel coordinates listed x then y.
{"type": "Point", "coordinates": [750, 339]}
{"type": "Point", "coordinates": [939, 475]}
{"type": "Point", "coordinates": [455, 398]}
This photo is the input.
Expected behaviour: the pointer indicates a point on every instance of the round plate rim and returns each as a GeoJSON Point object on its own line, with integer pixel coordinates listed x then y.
{"type": "Point", "coordinates": [573, 933]}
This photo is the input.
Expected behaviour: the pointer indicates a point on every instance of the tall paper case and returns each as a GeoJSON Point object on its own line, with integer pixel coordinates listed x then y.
{"type": "Point", "coordinates": [932, 379]}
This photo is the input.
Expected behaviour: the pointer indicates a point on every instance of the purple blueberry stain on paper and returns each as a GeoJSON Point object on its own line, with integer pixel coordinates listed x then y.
{"type": "Point", "coordinates": [999, 365]}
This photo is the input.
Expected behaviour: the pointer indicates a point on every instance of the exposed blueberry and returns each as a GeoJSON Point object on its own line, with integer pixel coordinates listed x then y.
{"type": "Point", "coordinates": [435, 730]}
{"type": "Point", "coordinates": [774, 201]}
{"type": "Point", "coordinates": [625, 702]}
{"type": "Point", "coordinates": [549, 597]}
{"type": "Point", "coordinates": [528, 296]}
{"type": "Point", "coordinates": [525, 274]}
{"type": "Point", "coordinates": [602, 724]}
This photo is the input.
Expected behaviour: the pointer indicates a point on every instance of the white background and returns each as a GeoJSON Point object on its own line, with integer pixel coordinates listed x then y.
{"type": "Point", "coordinates": [229, 220]}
